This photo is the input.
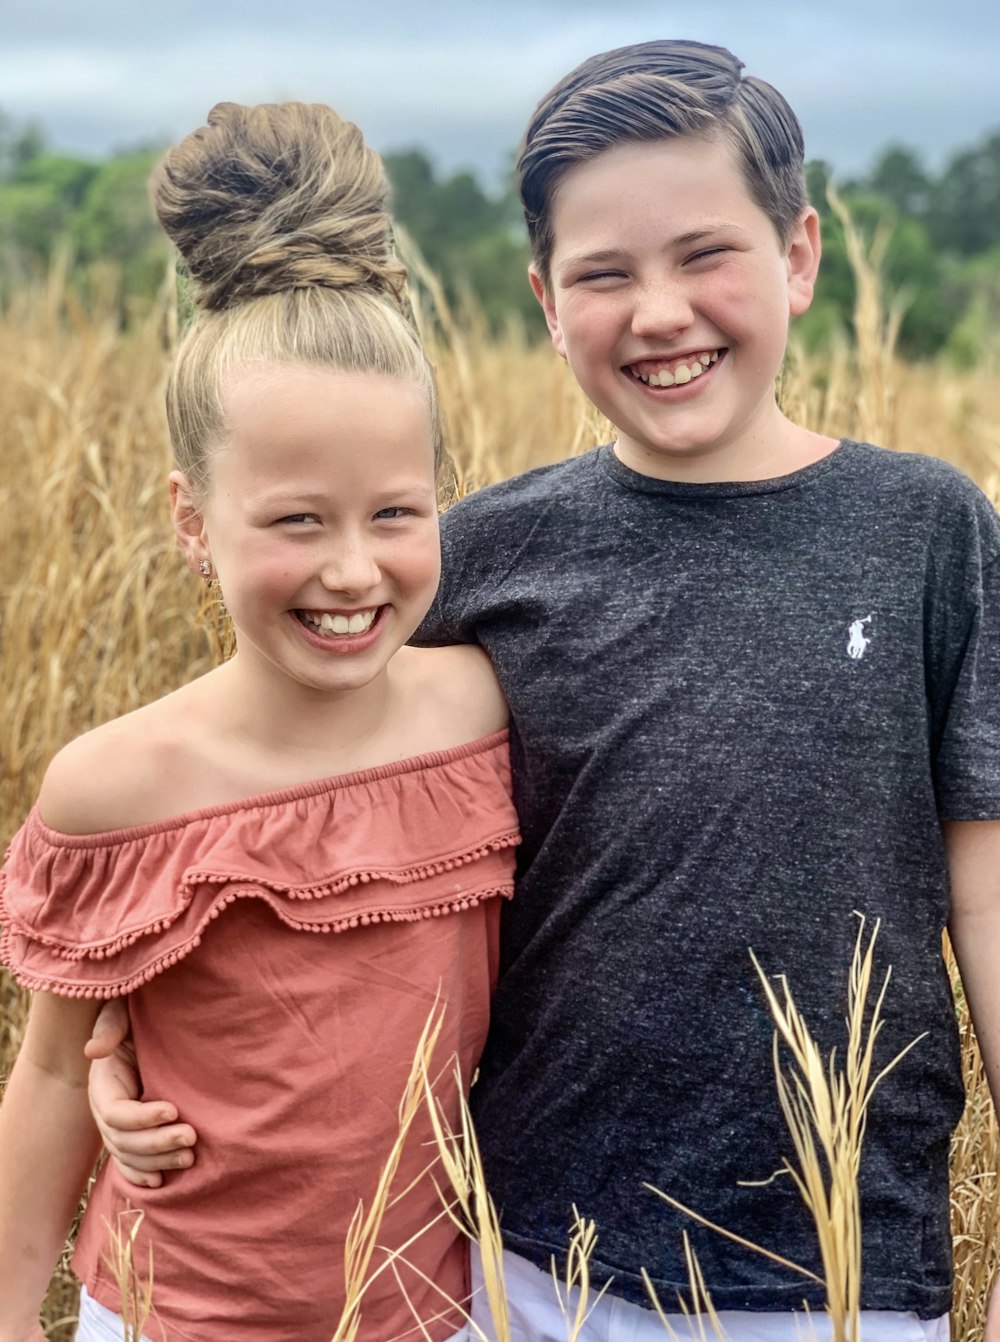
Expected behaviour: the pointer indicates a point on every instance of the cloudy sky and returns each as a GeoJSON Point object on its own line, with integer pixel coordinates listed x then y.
{"type": "Point", "coordinates": [459, 77]}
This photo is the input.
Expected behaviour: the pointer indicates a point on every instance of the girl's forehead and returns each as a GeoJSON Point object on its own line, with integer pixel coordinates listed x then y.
{"type": "Point", "coordinates": [304, 427]}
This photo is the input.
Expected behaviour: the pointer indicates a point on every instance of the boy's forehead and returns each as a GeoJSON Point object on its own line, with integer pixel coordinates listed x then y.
{"type": "Point", "coordinates": [684, 186]}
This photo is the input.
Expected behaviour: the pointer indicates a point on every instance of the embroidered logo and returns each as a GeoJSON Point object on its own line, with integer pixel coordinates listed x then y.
{"type": "Point", "coordinates": [857, 643]}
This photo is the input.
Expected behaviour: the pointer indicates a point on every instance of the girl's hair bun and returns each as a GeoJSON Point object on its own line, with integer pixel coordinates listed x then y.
{"type": "Point", "coordinates": [277, 197]}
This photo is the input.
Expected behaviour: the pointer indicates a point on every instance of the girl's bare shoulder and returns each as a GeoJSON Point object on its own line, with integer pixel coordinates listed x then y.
{"type": "Point", "coordinates": [458, 687]}
{"type": "Point", "coordinates": [117, 775]}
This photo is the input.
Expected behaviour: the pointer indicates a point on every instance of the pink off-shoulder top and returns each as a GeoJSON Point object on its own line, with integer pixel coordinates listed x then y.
{"type": "Point", "coordinates": [281, 955]}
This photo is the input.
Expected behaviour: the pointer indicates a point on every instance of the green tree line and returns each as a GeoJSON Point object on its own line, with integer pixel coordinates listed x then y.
{"type": "Point", "coordinates": [942, 256]}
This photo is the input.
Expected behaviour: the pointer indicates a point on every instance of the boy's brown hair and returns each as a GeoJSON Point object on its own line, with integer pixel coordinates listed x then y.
{"type": "Point", "coordinates": [652, 91]}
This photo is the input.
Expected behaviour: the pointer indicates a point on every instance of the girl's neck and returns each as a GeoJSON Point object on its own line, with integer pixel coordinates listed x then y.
{"type": "Point", "coordinates": [274, 715]}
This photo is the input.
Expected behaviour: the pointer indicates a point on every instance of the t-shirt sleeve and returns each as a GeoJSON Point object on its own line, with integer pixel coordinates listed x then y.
{"type": "Point", "coordinates": [964, 661]}
{"type": "Point", "coordinates": [448, 620]}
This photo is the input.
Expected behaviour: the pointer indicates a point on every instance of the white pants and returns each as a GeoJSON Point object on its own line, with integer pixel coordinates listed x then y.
{"type": "Point", "coordinates": [535, 1316]}
{"type": "Point", "coordinates": [98, 1324]}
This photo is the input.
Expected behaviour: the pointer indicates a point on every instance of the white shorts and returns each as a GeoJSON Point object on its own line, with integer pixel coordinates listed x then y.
{"type": "Point", "coordinates": [535, 1316]}
{"type": "Point", "coordinates": [98, 1324]}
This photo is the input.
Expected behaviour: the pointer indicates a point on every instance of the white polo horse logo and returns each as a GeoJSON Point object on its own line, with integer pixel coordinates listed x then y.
{"type": "Point", "coordinates": [857, 643]}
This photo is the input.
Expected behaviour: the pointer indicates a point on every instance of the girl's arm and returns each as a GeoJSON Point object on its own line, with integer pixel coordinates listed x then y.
{"type": "Point", "coordinates": [48, 1146]}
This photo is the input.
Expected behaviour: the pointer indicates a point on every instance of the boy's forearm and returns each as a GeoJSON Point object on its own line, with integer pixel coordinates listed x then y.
{"type": "Point", "coordinates": [48, 1146]}
{"type": "Point", "coordinates": [974, 929]}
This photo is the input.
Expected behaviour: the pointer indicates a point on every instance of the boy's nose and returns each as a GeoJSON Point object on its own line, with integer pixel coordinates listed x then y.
{"type": "Point", "coordinates": [661, 310]}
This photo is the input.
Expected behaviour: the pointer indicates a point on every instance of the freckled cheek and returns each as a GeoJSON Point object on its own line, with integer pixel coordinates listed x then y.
{"type": "Point", "coordinates": [269, 570]}
{"type": "Point", "coordinates": [419, 566]}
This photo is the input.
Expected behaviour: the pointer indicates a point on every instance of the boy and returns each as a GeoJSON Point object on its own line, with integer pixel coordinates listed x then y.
{"type": "Point", "coordinates": [751, 671]}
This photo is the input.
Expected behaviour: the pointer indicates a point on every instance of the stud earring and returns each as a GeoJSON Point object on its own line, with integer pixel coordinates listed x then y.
{"type": "Point", "coordinates": [205, 568]}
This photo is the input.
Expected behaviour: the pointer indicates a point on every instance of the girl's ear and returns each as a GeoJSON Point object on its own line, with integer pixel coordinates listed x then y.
{"type": "Point", "coordinates": [803, 261]}
{"type": "Point", "coordinates": [189, 524]}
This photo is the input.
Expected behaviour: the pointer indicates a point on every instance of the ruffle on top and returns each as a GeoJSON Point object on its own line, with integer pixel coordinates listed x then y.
{"type": "Point", "coordinates": [98, 915]}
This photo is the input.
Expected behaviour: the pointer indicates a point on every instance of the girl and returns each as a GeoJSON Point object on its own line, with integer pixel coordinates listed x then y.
{"type": "Point", "coordinates": [258, 860]}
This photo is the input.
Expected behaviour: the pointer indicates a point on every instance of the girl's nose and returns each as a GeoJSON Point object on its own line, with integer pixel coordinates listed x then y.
{"type": "Point", "coordinates": [350, 567]}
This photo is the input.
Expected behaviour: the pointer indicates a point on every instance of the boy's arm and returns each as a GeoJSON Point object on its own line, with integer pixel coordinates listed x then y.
{"type": "Point", "coordinates": [48, 1146]}
{"type": "Point", "coordinates": [974, 928]}
{"type": "Point", "coordinates": [142, 1137]}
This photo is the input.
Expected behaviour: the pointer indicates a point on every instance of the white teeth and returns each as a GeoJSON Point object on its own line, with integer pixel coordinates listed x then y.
{"type": "Point", "coordinates": [358, 623]}
{"type": "Point", "coordinates": [682, 373]}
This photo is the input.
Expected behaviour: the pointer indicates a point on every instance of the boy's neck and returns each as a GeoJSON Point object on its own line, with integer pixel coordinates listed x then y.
{"type": "Point", "coordinates": [784, 449]}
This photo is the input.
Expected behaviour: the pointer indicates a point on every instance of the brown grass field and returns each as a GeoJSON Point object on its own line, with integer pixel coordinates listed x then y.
{"type": "Point", "coordinates": [97, 614]}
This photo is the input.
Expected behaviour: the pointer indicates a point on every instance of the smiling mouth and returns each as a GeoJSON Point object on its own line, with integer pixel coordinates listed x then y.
{"type": "Point", "coordinates": [328, 625]}
{"type": "Point", "coordinates": [674, 372]}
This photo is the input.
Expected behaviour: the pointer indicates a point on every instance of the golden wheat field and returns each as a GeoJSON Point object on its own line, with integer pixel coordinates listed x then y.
{"type": "Point", "coordinates": [97, 614]}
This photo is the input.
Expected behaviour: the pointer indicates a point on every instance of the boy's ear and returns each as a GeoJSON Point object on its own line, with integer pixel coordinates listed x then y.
{"type": "Point", "coordinates": [189, 524]}
{"type": "Point", "coordinates": [804, 252]}
{"type": "Point", "coordinates": [549, 308]}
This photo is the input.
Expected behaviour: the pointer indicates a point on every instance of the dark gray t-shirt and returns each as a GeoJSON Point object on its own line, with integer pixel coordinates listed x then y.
{"type": "Point", "coordinates": [738, 713]}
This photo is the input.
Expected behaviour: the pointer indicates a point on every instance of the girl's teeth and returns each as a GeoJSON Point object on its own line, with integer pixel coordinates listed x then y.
{"type": "Point", "coordinates": [358, 623]}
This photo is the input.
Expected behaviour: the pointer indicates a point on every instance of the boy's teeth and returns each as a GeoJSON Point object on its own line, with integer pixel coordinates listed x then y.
{"type": "Point", "coordinates": [681, 373]}
{"type": "Point", "coordinates": [358, 623]}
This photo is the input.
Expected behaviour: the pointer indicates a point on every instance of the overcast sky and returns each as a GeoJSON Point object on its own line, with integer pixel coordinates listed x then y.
{"type": "Point", "coordinates": [459, 77]}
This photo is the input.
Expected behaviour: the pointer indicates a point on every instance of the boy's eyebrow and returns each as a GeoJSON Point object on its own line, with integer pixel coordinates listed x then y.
{"type": "Point", "coordinates": [590, 258]}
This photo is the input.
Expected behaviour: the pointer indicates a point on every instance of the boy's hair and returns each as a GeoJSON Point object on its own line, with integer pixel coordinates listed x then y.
{"type": "Point", "coordinates": [279, 212]}
{"type": "Point", "coordinates": [649, 92]}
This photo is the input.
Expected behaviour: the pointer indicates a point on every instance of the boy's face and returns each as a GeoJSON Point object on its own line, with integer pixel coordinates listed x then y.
{"type": "Point", "coordinates": [670, 296]}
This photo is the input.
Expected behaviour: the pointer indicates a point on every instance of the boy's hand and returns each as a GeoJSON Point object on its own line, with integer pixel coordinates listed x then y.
{"type": "Point", "coordinates": [142, 1138]}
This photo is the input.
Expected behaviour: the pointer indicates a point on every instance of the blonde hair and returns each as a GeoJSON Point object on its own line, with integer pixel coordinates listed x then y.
{"type": "Point", "coordinates": [279, 213]}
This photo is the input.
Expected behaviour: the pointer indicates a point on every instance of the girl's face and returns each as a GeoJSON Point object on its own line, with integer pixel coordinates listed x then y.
{"type": "Point", "coordinates": [320, 520]}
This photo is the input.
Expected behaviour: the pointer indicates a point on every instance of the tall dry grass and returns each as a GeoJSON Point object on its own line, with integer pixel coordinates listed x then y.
{"type": "Point", "coordinates": [97, 615]}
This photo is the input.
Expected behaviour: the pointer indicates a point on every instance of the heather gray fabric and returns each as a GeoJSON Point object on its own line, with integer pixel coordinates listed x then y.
{"type": "Point", "coordinates": [738, 712]}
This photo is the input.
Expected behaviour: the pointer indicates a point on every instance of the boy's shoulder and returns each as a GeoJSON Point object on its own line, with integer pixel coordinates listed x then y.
{"type": "Point", "coordinates": [919, 469]}
{"type": "Point", "coordinates": [533, 491]}
{"type": "Point", "coordinates": [904, 483]}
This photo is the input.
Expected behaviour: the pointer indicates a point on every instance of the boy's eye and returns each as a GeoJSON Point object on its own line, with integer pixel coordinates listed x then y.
{"type": "Point", "coordinates": [708, 252]}
{"type": "Point", "coordinates": [390, 514]}
{"type": "Point", "coordinates": [297, 519]}
{"type": "Point", "coordinates": [594, 275]}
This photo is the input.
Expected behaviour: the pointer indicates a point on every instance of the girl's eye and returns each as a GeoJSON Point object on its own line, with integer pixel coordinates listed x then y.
{"type": "Point", "coordinates": [391, 514]}
{"type": "Point", "coordinates": [297, 519]}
